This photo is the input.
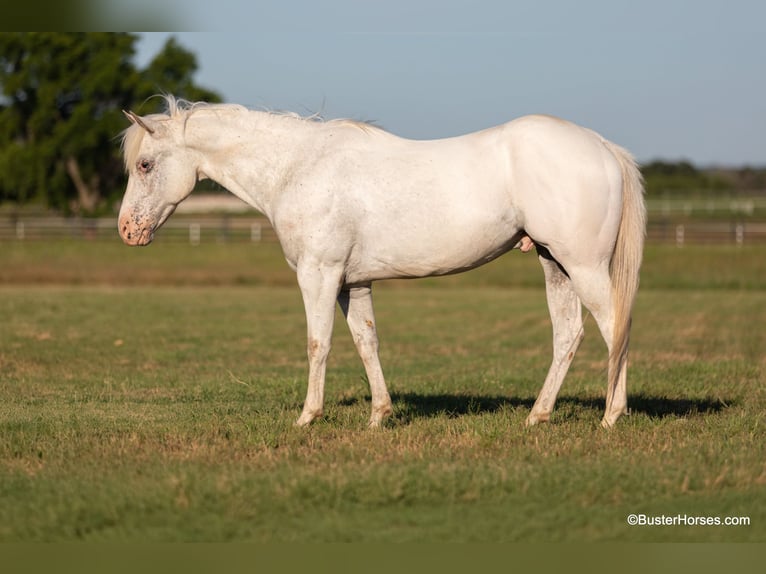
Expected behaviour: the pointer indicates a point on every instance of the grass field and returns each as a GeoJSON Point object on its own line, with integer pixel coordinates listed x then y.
{"type": "Point", "coordinates": [150, 395]}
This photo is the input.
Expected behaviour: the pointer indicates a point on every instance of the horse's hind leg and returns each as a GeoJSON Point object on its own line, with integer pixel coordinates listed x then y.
{"type": "Point", "coordinates": [593, 285]}
{"type": "Point", "coordinates": [566, 317]}
{"type": "Point", "coordinates": [356, 304]}
{"type": "Point", "coordinates": [616, 395]}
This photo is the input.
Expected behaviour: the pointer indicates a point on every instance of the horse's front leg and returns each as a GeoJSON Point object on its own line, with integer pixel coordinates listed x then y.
{"type": "Point", "coordinates": [356, 304]}
{"type": "Point", "coordinates": [319, 285]}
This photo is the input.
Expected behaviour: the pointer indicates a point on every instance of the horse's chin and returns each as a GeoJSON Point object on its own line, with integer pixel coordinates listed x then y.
{"type": "Point", "coordinates": [167, 212]}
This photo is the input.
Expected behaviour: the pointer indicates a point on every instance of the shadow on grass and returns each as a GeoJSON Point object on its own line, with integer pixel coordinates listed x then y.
{"type": "Point", "coordinates": [412, 405]}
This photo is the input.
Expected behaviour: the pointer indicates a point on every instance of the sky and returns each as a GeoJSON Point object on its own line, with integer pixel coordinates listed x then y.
{"type": "Point", "coordinates": [667, 79]}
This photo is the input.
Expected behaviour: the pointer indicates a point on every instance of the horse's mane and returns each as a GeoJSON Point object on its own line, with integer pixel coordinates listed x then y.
{"type": "Point", "coordinates": [130, 143]}
{"type": "Point", "coordinates": [175, 109]}
{"type": "Point", "coordinates": [181, 110]}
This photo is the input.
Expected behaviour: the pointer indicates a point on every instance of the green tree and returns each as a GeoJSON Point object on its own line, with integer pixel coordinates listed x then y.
{"type": "Point", "coordinates": [680, 178]}
{"type": "Point", "coordinates": [171, 72]}
{"type": "Point", "coordinates": [60, 110]}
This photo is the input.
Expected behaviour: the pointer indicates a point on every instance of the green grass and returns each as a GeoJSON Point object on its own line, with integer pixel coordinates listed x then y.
{"type": "Point", "coordinates": [149, 395]}
{"type": "Point", "coordinates": [79, 262]}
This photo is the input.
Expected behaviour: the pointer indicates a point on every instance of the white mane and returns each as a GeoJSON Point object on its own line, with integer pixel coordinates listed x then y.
{"type": "Point", "coordinates": [181, 110]}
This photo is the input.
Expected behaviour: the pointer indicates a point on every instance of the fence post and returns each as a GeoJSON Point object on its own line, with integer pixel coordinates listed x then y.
{"type": "Point", "coordinates": [20, 231]}
{"type": "Point", "coordinates": [194, 233]}
{"type": "Point", "coordinates": [680, 235]}
{"type": "Point", "coordinates": [255, 232]}
{"type": "Point", "coordinates": [224, 234]}
{"type": "Point", "coordinates": [739, 234]}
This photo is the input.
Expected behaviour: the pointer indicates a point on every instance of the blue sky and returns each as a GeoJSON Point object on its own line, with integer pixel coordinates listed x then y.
{"type": "Point", "coordinates": [671, 79]}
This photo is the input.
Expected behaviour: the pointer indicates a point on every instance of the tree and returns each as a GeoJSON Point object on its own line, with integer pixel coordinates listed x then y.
{"type": "Point", "coordinates": [60, 110]}
{"type": "Point", "coordinates": [679, 177]}
{"type": "Point", "coordinates": [171, 72]}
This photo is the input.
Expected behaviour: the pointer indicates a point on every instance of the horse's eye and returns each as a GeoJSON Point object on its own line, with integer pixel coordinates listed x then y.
{"type": "Point", "coordinates": [145, 165]}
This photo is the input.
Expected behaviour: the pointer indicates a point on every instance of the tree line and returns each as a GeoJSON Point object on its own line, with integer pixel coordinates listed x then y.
{"type": "Point", "coordinates": [683, 178]}
{"type": "Point", "coordinates": [61, 102]}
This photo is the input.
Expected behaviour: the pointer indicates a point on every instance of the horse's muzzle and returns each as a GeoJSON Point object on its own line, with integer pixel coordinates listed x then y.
{"type": "Point", "coordinates": [134, 235]}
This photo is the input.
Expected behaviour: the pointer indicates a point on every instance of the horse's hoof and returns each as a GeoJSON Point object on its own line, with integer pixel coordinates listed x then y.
{"type": "Point", "coordinates": [307, 418]}
{"type": "Point", "coordinates": [535, 418]}
{"type": "Point", "coordinates": [379, 415]}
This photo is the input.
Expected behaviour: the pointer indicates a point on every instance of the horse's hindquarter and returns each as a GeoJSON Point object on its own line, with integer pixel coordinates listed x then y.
{"type": "Point", "coordinates": [566, 185]}
{"type": "Point", "coordinates": [430, 208]}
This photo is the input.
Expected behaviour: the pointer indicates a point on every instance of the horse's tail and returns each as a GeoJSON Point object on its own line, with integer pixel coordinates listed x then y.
{"type": "Point", "coordinates": [626, 258]}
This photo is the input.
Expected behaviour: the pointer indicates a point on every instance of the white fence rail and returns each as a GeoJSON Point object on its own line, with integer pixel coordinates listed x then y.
{"type": "Point", "coordinates": [713, 207]}
{"type": "Point", "coordinates": [706, 232]}
{"type": "Point", "coordinates": [194, 231]}
{"type": "Point", "coordinates": [224, 229]}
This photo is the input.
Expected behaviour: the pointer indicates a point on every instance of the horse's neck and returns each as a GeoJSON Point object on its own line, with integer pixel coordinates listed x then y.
{"type": "Point", "coordinates": [252, 154]}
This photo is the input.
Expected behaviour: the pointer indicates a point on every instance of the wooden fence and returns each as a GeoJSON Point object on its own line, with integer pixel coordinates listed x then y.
{"type": "Point", "coordinates": [223, 228]}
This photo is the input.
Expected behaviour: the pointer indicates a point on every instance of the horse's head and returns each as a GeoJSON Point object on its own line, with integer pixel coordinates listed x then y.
{"type": "Point", "coordinates": [162, 172]}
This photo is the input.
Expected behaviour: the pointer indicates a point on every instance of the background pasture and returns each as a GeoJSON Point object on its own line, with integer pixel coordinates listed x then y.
{"type": "Point", "coordinates": [149, 395]}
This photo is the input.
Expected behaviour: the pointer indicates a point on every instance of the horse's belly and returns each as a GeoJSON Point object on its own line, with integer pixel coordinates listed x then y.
{"type": "Point", "coordinates": [418, 250]}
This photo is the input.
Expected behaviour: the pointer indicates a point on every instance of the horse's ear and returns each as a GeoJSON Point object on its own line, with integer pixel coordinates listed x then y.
{"type": "Point", "coordinates": [135, 119]}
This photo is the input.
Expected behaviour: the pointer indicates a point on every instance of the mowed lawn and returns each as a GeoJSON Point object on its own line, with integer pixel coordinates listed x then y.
{"type": "Point", "coordinates": [150, 395]}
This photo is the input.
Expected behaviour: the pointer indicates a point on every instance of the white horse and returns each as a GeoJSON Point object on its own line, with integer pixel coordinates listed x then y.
{"type": "Point", "coordinates": [352, 204]}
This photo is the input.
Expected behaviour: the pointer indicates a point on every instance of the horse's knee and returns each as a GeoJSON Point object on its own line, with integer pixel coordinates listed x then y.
{"type": "Point", "coordinates": [317, 349]}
